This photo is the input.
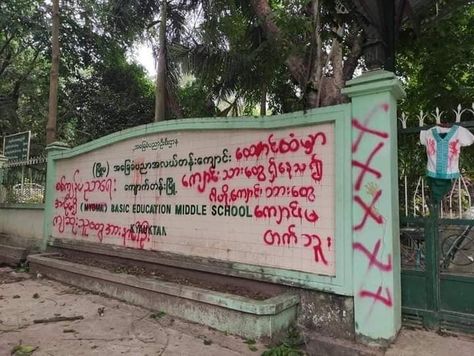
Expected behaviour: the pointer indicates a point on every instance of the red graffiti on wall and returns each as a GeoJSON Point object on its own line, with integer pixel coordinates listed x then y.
{"type": "Point", "coordinates": [289, 238]}
{"type": "Point", "coordinates": [268, 171]}
{"type": "Point", "coordinates": [227, 196]}
{"type": "Point", "coordinates": [104, 185]}
{"type": "Point", "coordinates": [367, 168]}
{"type": "Point", "coordinates": [369, 211]}
{"type": "Point", "coordinates": [281, 212]}
{"type": "Point", "coordinates": [372, 256]}
{"type": "Point", "coordinates": [200, 179]}
{"type": "Point", "coordinates": [364, 128]}
{"type": "Point", "coordinates": [69, 193]}
{"type": "Point", "coordinates": [265, 163]}
{"type": "Point", "coordinates": [316, 166]}
{"type": "Point", "coordinates": [68, 204]}
{"type": "Point", "coordinates": [315, 240]}
{"type": "Point", "coordinates": [283, 145]}
{"type": "Point", "coordinates": [377, 296]}
{"type": "Point", "coordinates": [137, 233]}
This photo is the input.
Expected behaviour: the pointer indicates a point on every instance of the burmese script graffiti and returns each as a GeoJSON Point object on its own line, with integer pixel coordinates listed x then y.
{"type": "Point", "coordinates": [261, 197]}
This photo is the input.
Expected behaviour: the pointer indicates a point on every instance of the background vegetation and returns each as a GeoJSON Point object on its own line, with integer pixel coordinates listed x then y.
{"type": "Point", "coordinates": [223, 57]}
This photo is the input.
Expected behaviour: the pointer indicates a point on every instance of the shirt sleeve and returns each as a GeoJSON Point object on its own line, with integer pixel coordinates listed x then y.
{"type": "Point", "coordinates": [466, 138]}
{"type": "Point", "coordinates": [423, 137]}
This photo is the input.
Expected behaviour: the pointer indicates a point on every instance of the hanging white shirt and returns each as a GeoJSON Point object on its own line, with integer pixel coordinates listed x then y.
{"type": "Point", "coordinates": [443, 150]}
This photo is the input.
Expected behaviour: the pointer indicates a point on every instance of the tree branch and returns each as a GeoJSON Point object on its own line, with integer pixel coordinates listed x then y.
{"type": "Point", "coordinates": [295, 63]}
{"type": "Point", "coordinates": [7, 42]}
{"type": "Point", "coordinates": [5, 63]}
{"type": "Point", "coordinates": [151, 24]}
{"type": "Point", "coordinates": [356, 41]}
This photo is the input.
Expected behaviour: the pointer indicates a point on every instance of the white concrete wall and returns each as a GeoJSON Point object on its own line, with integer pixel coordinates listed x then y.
{"type": "Point", "coordinates": [22, 223]}
{"type": "Point", "coordinates": [260, 197]}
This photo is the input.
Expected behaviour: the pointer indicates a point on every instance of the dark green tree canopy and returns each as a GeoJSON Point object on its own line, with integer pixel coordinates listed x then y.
{"type": "Point", "coordinates": [239, 57]}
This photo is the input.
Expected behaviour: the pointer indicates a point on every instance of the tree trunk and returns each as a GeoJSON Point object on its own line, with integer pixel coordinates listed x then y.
{"type": "Point", "coordinates": [315, 77]}
{"type": "Point", "coordinates": [320, 88]}
{"type": "Point", "coordinates": [295, 63]}
{"type": "Point", "coordinates": [53, 79]}
{"type": "Point", "coordinates": [160, 90]}
{"type": "Point", "coordinates": [263, 101]}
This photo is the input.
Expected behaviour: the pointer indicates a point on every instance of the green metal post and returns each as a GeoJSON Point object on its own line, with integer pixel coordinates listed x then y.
{"type": "Point", "coordinates": [52, 150]}
{"type": "Point", "coordinates": [431, 320]}
{"type": "Point", "coordinates": [3, 161]}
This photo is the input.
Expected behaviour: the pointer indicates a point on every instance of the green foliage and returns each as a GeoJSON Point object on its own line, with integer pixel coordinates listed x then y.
{"type": "Point", "coordinates": [115, 97]}
{"type": "Point", "coordinates": [291, 345]}
{"type": "Point", "coordinates": [195, 100]}
{"type": "Point", "coordinates": [230, 56]}
{"type": "Point", "coordinates": [251, 344]}
{"type": "Point", "coordinates": [23, 53]}
{"type": "Point", "coordinates": [158, 315]}
{"type": "Point", "coordinates": [438, 67]}
{"type": "Point", "coordinates": [283, 350]}
{"type": "Point", "coordinates": [221, 43]}
{"type": "Point", "coordinates": [25, 268]}
{"type": "Point", "coordinates": [99, 91]}
{"type": "Point", "coordinates": [23, 350]}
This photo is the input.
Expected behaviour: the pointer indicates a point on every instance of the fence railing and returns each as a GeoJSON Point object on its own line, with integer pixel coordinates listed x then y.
{"type": "Point", "coordinates": [23, 181]}
{"type": "Point", "coordinates": [456, 204]}
{"type": "Point", "coordinates": [413, 188]}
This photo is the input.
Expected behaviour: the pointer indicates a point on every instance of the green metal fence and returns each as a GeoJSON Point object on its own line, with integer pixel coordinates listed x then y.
{"type": "Point", "coordinates": [436, 239]}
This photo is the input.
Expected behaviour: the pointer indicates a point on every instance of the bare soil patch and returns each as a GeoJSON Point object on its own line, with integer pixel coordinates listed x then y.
{"type": "Point", "coordinates": [183, 277]}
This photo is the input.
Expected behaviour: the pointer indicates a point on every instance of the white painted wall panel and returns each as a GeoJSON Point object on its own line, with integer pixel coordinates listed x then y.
{"type": "Point", "coordinates": [280, 182]}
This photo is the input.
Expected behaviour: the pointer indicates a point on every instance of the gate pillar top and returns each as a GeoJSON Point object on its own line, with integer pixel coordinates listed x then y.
{"type": "Point", "coordinates": [374, 82]}
{"type": "Point", "coordinates": [56, 146]}
{"type": "Point", "coordinates": [375, 222]}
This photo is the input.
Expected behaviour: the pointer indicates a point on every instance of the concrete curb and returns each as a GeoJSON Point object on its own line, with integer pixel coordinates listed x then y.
{"type": "Point", "coordinates": [328, 346]}
{"type": "Point", "coordinates": [11, 255]}
{"type": "Point", "coordinates": [226, 312]}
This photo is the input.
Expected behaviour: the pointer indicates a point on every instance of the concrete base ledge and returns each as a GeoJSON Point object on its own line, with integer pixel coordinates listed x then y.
{"type": "Point", "coordinates": [28, 243]}
{"type": "Point", "coordinates": [12, 255]}
{"type": "Point", "coordinates": [238, 315]}
{"type": "Point", "coordinates": [323, 345]}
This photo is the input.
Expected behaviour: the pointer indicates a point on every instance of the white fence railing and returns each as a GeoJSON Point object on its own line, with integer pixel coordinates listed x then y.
{"type": "Point", "coordinates": [23, 181]}
{"type": "Point", "coordinates": [426, 118]}
{"type": "Point", "coordinates": [456, 204]}
{"type": "Point", "coordinates": [414, 196]}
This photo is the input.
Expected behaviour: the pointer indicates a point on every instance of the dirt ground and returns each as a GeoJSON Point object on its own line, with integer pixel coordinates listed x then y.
{"type": "Point", "coordinates": [183, 278]}
{"type": "Point", "coordinates": [108, 326]}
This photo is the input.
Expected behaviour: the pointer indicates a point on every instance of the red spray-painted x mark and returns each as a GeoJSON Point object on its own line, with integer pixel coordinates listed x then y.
{"type": "Point", "coordinates": [372, 256]}
{"type": "Point", "coordinates": [363, 130]}
{"type": "Point", "coordinates": [365, 167]}
{"type": "Point", "coordinates": [377, 296]}
{"type": "Point", "coordinates": [368, 211]}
